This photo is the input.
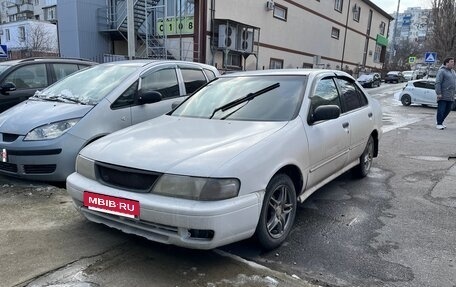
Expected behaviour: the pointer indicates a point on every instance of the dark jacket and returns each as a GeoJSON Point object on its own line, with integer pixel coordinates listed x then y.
{"type": "Point", "coordinates": [445, 83]}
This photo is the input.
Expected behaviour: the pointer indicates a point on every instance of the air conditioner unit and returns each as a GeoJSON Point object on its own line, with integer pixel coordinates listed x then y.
{"type": "Point", "coordinates": [245, 41]}
{"type": "Point", "coordinates": [227, 37]}
{"type": "Point", "coordinates": [270, 5]}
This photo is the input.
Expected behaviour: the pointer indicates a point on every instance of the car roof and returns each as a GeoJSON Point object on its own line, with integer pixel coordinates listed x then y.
{"type": "Point", "coordinates": [37, 60]}
{"type": "Point", "coordinates": [286, 72]}
{"type": "Point", "coordinates": [146, 62]}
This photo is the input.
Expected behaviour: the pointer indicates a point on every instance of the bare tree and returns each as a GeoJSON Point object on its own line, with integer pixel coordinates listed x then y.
{"type": "Point", "coordinates": [404, 50]}
{"type": "Point", "coordinates": [442, 38]}
{"type": "Point", "coordinates": [38, 40]}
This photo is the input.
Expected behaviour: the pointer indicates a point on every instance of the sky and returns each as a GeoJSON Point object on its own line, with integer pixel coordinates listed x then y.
{"type": "Point", "coordinates": [390, 6]}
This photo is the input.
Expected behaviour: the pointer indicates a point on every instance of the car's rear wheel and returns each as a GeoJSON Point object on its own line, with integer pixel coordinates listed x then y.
{"type": "Point", "coordinates": [365, 160]}
{"type": "Point", "coordinates": [278, 212]}
{"type": "Point", "coordinates": [406, 100]}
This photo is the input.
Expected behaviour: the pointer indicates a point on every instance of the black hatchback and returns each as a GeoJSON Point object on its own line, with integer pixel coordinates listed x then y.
{"type": "Point", "coordinates": [20, 79]}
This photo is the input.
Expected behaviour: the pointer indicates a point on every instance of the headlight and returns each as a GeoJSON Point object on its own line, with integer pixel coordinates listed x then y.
{"type": "Point", "coordinates": [196, 188]}
{"type": "Point", "coordinates": [85, 167]}
{"type": "Point", "coordinates": [50, 131]}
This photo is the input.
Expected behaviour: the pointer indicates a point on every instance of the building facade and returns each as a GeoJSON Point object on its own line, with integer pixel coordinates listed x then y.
{"type": "Point", "coordinates": [232, 35]}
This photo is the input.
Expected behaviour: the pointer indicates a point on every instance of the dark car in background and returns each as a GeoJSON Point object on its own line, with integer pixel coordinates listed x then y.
{"type": "Point", "coordinates": [20, 79]}
{"type": "Point", "coordinates": [370, 80]}
{"type": "Point", "coordinates": [394, 77]}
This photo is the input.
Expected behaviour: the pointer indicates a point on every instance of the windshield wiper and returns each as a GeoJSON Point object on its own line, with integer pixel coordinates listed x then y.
{"type": "Point", "coordinates": [58, 98]}
{"type": "Point", "coordinates": [244, 99]}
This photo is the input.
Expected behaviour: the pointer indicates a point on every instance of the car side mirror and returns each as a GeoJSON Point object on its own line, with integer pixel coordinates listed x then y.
{"type": "Point", "coordinates": [327, 112]}
{"type": "Point", "coordinates": [8, 87]}
{"type": "Point", "coordinates": [149, 97]}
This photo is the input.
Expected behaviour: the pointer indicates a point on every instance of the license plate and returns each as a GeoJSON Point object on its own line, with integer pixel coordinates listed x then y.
{"type": "Point", "coordinates": [110, 204]}
{"type": "Point", "coordinates": [4, 155]}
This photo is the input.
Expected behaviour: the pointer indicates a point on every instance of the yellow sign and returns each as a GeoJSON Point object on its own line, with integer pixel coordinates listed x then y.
{"type": "Point", "coordinates": [412, 60]}
{"type": "Point", "coordinates": [175, 26]}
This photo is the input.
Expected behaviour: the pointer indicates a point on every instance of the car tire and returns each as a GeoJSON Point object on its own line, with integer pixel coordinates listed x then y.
{"type": "Point", "coordinates": [406, 100]}
{"type": "Point", "coordinates": [278, 212]}
{"type": "Point", "coordinates": [365, 160]}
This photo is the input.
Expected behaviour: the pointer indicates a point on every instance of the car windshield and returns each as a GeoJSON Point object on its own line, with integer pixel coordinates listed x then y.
{"type": "Point", "coordinates": [246, 98]}
{"type": "Point", "coordinates": [89, 86]}
{"type": "Point", "coordinates": [365, 77]}
{"type": "Point", "coordinates": [407, 73]}
{"type": "Point", "coordinates": [392, 73]}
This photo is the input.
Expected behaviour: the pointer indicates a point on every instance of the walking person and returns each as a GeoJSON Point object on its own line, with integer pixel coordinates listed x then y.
{"type": "Point", "coordinates": [445, 88]}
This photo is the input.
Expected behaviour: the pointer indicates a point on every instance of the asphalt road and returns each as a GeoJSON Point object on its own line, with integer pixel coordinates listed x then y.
{"type": "Point", "coordinates": [394, 228]}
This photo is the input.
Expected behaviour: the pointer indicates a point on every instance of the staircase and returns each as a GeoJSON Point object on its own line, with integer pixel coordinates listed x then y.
{"type": "Point", "coordinates": [147, 44]}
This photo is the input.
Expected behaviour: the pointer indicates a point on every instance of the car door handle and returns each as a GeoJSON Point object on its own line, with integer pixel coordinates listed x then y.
{"type": "Point", "coordinates": [345, 125]}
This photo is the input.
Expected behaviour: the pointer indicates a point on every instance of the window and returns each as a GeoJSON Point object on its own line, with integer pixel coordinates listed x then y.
{"type": "Point", "coordinates": [209, 74]}
{"type": "Point", "coordinates": [21, 34]}
{"type": "Point", "coordinates": [193, 79]}
{"type": "Point", "coordinates": [382, 28]}
{"type": "Point", "coordinates": [338, 5]}
{"type": "Point", "coordinates": [351, 97]}
{"type": "Point", "coordinates": [325, 94]}
{"type": "Point", "coordinates": [335, 33]}
{"type": "Point", "coordinates": [275, 64]}
{"type": "Point", "coordinates": [63, 70]}
{"type": "Point", "coordinates": [127, 98]}
{"type": "Point", "coordinates": [37, 2]}
{"type": "Point", "coordinates": [378, 52]}
{"type": "Point", "coordinates": [8, 37]}
{"type": "Point", "coordinates": [28, 77]}
{"type": "Point", "coordinates": [163, 81]}
{"type": "Point", "coordinates": [356, 12]}
{"type": "Point", "coordinates": [280, 12]}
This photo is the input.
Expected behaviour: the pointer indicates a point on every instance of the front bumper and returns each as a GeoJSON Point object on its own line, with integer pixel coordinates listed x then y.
{"type": "Point", "coordinates": [49, 160]}
{"type": "Point", "coordinates": [181, 222]}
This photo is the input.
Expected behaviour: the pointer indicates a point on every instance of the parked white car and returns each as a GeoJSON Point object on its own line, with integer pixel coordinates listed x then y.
{"type": "Point", "coordinates": [420, 92]}
{"type": "Point", "coordinates": [231, 161]}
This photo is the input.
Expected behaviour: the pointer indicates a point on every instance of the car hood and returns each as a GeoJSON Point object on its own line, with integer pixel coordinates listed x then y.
{"type": "Point", "coordinates": [180, 145]}
{"type": "Point", "coordinates": [30, 114]}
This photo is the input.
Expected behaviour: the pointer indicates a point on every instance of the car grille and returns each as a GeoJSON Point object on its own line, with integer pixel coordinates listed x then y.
{"type": "Point", "coordinates": [130, 179]}
{"type": "Point", "coordinates": [10, 167]}
{"type": "Point", "coordinates": [9, 137]}
{"type": "Point", "coordinates": [39, 168]}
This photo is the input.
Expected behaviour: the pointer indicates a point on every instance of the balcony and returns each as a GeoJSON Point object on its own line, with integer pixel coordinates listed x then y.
{"type": "Point", "coordinates": [22, 8]}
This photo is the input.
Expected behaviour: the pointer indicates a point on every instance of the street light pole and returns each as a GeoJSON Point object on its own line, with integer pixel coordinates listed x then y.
{"type": "Point", "coordinates": [394, 32]}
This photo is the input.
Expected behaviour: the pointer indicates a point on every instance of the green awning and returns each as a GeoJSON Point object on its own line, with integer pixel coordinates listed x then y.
{"type": "Point", "coordinates": [381, 40]}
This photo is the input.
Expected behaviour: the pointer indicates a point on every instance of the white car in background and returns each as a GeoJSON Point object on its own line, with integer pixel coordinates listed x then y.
{"type": "Point", "coordinates": [421, 92]}
{"type": "Point", "coordinates": [231, 161]}
{"type": "Point", "coordinates": [409, 75]}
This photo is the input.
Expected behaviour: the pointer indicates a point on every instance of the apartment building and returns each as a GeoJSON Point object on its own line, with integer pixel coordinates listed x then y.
{"type": "Point", "coordinates": [413, 25]}
{"type": "Point", "coordinates": [27, 27]}
{"type": "Point", "coordinates": [232, 35]}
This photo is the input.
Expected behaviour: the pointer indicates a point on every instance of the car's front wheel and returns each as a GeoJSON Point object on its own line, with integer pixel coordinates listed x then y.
{"type": "Point", "coordinates": [365, 160]}
{"type": "Point", "coordinates": [406, 100]}
{"type": "Point", "coordinates": [278, 212]}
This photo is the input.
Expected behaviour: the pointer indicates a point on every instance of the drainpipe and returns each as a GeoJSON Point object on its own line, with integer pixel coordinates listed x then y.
{"type": "Point", "coordinates": [130, 30]}
{"type": "Point", "coordinates": [213, 32]}
{"type": "Point", "coordinates": [345, 37]}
